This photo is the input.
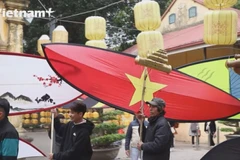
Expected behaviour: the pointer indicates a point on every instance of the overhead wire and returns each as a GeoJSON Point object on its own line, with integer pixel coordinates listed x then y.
{"type": "Point", "coordinates": [94, 10]}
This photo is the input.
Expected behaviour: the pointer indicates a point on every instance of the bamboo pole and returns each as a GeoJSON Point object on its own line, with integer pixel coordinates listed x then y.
{"type": "Point", "coordinates": [142, 104]}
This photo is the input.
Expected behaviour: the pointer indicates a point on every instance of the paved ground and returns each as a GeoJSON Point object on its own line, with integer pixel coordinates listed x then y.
{"type": "Point", "coordinates": [182, 151]}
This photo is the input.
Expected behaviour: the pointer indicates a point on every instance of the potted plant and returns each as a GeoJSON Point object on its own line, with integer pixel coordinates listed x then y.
{"type": "Point", "coordinates": [106, 140]}
{"type": "Point", "coordinates": [234, 130]}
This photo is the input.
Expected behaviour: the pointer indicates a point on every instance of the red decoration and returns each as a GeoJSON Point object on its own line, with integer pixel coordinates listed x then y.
{"type": "Point", "coordinates": [47, 82]}
{"type": "Point", "coordinates": [102, 75]}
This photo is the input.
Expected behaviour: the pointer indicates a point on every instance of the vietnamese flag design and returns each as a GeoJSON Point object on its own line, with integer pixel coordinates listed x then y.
{"type": "Point", "coordinates": [114, 79]}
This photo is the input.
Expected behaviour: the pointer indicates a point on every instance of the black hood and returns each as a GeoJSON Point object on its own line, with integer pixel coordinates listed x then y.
{"type": "Point", "coordinates": [88, 125]}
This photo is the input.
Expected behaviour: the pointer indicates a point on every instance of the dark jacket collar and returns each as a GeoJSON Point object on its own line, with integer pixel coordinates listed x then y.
{"type": "Point", "coordinates": [155, 118]}
{"type": "Point", "coordinates": [3, 121]}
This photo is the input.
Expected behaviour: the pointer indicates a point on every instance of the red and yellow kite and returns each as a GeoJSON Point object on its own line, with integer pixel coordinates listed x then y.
{"type": "Point", "coordinates": [114, 79]}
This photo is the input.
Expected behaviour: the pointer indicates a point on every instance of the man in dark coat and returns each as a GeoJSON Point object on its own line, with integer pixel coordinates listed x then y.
{"type": "Point", "coordinates": [158, 136]}
{"type": "Point", "coordinates": [76, 144]}
{"type": "Point", "coordinates": [9, 138]}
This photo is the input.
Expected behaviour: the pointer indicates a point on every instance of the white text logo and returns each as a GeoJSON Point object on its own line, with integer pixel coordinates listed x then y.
{"type": "Point", "coordinates": [26, 14]}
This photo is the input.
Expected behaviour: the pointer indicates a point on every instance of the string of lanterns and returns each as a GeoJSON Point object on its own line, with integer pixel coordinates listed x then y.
{"type": "Point", "coordinates": [150, 41]}
{"type": "Point", "coordinates": [44, 118]}
{"type": "Point", "coordinates": [220, 26]}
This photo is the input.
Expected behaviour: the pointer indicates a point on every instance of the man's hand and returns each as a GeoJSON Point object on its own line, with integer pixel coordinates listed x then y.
{"type": "Point", "coordinates": [139, 145]}
{"type": "Point", "coordinates": [127, 153]}
{"type": "Point", "coordinates": [50, 156]}
{"type": "Point", "coordinates": [214, 135]}
{"type": "Point", "coordinates": [54, 111]}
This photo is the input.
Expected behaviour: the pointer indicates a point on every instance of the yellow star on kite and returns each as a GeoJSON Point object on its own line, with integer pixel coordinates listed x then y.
{"type": "Point", "coordinates": [151, 87]}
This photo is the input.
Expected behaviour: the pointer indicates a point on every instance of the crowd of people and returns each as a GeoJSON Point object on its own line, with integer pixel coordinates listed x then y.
{"type": "Point", "coordinates": [150, 139]}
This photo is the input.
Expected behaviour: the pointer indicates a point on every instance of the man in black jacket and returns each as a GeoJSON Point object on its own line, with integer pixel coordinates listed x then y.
{"type": "Point", "coordinates": [9, 138]}
{"type": "Point", "coordinates": [76, 144]}
{"type": "Point", "coordinates": [158, 136]}
{"type": "Point", "coordinates": [211, 130]}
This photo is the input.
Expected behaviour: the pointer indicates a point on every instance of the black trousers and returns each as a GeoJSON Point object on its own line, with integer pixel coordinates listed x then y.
{"type": "Point", "coordinates": [193, 140]}
{"type": "Point", "coordinates": [211, 140]}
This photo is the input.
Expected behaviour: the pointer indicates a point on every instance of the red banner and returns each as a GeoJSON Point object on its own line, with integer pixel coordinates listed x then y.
{"type": "Point", "coordinates": [114, 79]}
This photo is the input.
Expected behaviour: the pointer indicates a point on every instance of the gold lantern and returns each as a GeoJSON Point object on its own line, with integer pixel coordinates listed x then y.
{"type": "Point", "coordinates": [219, 4]}
{"type": "Point", "coordinates": [34, 115]}
{"type": "Point", "coordinates": [148, 42]}
{"type": "Point", "coordinates": [26, 121]}
{"type": "Point", "coordinates": [96, 43]}
{"type": "Point", "coordinates": [60, 34]}
{"type": "Point", "coordinates": [42, 114]}
{"type": "Point", "coordinates": [34, 121]}
{"type": "Point", "coordinates": [90, 115]}
{"type": "Point", "coordinates": [147, 15]}
{"type": "Point", "coordinates": [43, 39]}
{"type": "Point", "coordinates": [26, 115]}
{"type": "Point", "coordinates": [48, 114]}
{"type": "Point", "coordinates": [95, 28]}
{"type": "Point", "coordinates": [126, 122]}
{"type": "Point", "coordinates": [127, 115]}
{"type": "Point", "coordinates": [43, 120]}
{"type": "Point", "coordinates": [48, 120]}
{"type": "Point", "coordinates": [220, 27]}
{"type": "Point", "coordinates": [95, 114]}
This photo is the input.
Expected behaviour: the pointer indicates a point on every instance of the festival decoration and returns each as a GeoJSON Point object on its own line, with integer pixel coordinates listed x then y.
{"type": "Point", "coordinates": [95, 31]}
{"type": "Point", "coordinates": [220, 26]}
{"type": "Point", "coordinates": [30, 85]}
{"type": "Point", "coordinates": [118, 76]}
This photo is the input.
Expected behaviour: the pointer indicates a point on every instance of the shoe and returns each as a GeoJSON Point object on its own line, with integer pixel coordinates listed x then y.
{"type": "Point", "coordinates": [194, 145]}
{"type": "Point", "coordinates": [171, 149]}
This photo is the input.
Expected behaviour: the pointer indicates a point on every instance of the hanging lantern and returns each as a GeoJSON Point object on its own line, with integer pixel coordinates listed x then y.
{"type": "Point", "coordinates": [26, 115]}
{"type": "Point", "coordinates": [127, 115]}
{"type": "Point", "coordinates": [48, 120]}
{"type": "Point", "coordinates": [220, 27]}
{"type": "Point", "coordinates": [34, 115]}
{"type": "Point", "coordinates": [60, 35]}
{"type": "Point", "coordinates": [34, 121]}
{"type": "Point", "coordinates": [48, 114]}
{"type": "Point", "coordinates": [43, 120]}
{"type": "Point", "coordinates": [148, 42]}
{"type": "Point", "coordinates": [26, 121]}
{"type": "Point", "coordinates": [219, 4]}
{"type": "Point", "coordinates": [43, 39]}
{"type": "Point", "coordinates": [95, 114]}
{"type": "Point", "coordinates": [147, 15]}
{"type": "Point", "coordinates": [95, 28]}
{"type": "Point", "coordinates": [42, 114]}
{"type": "Point", "coordinates": [90, 115]}
{"type": "Point", "coordinates": [97, 43]}
{"type": "Point", "coordinates": [126, 122]}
